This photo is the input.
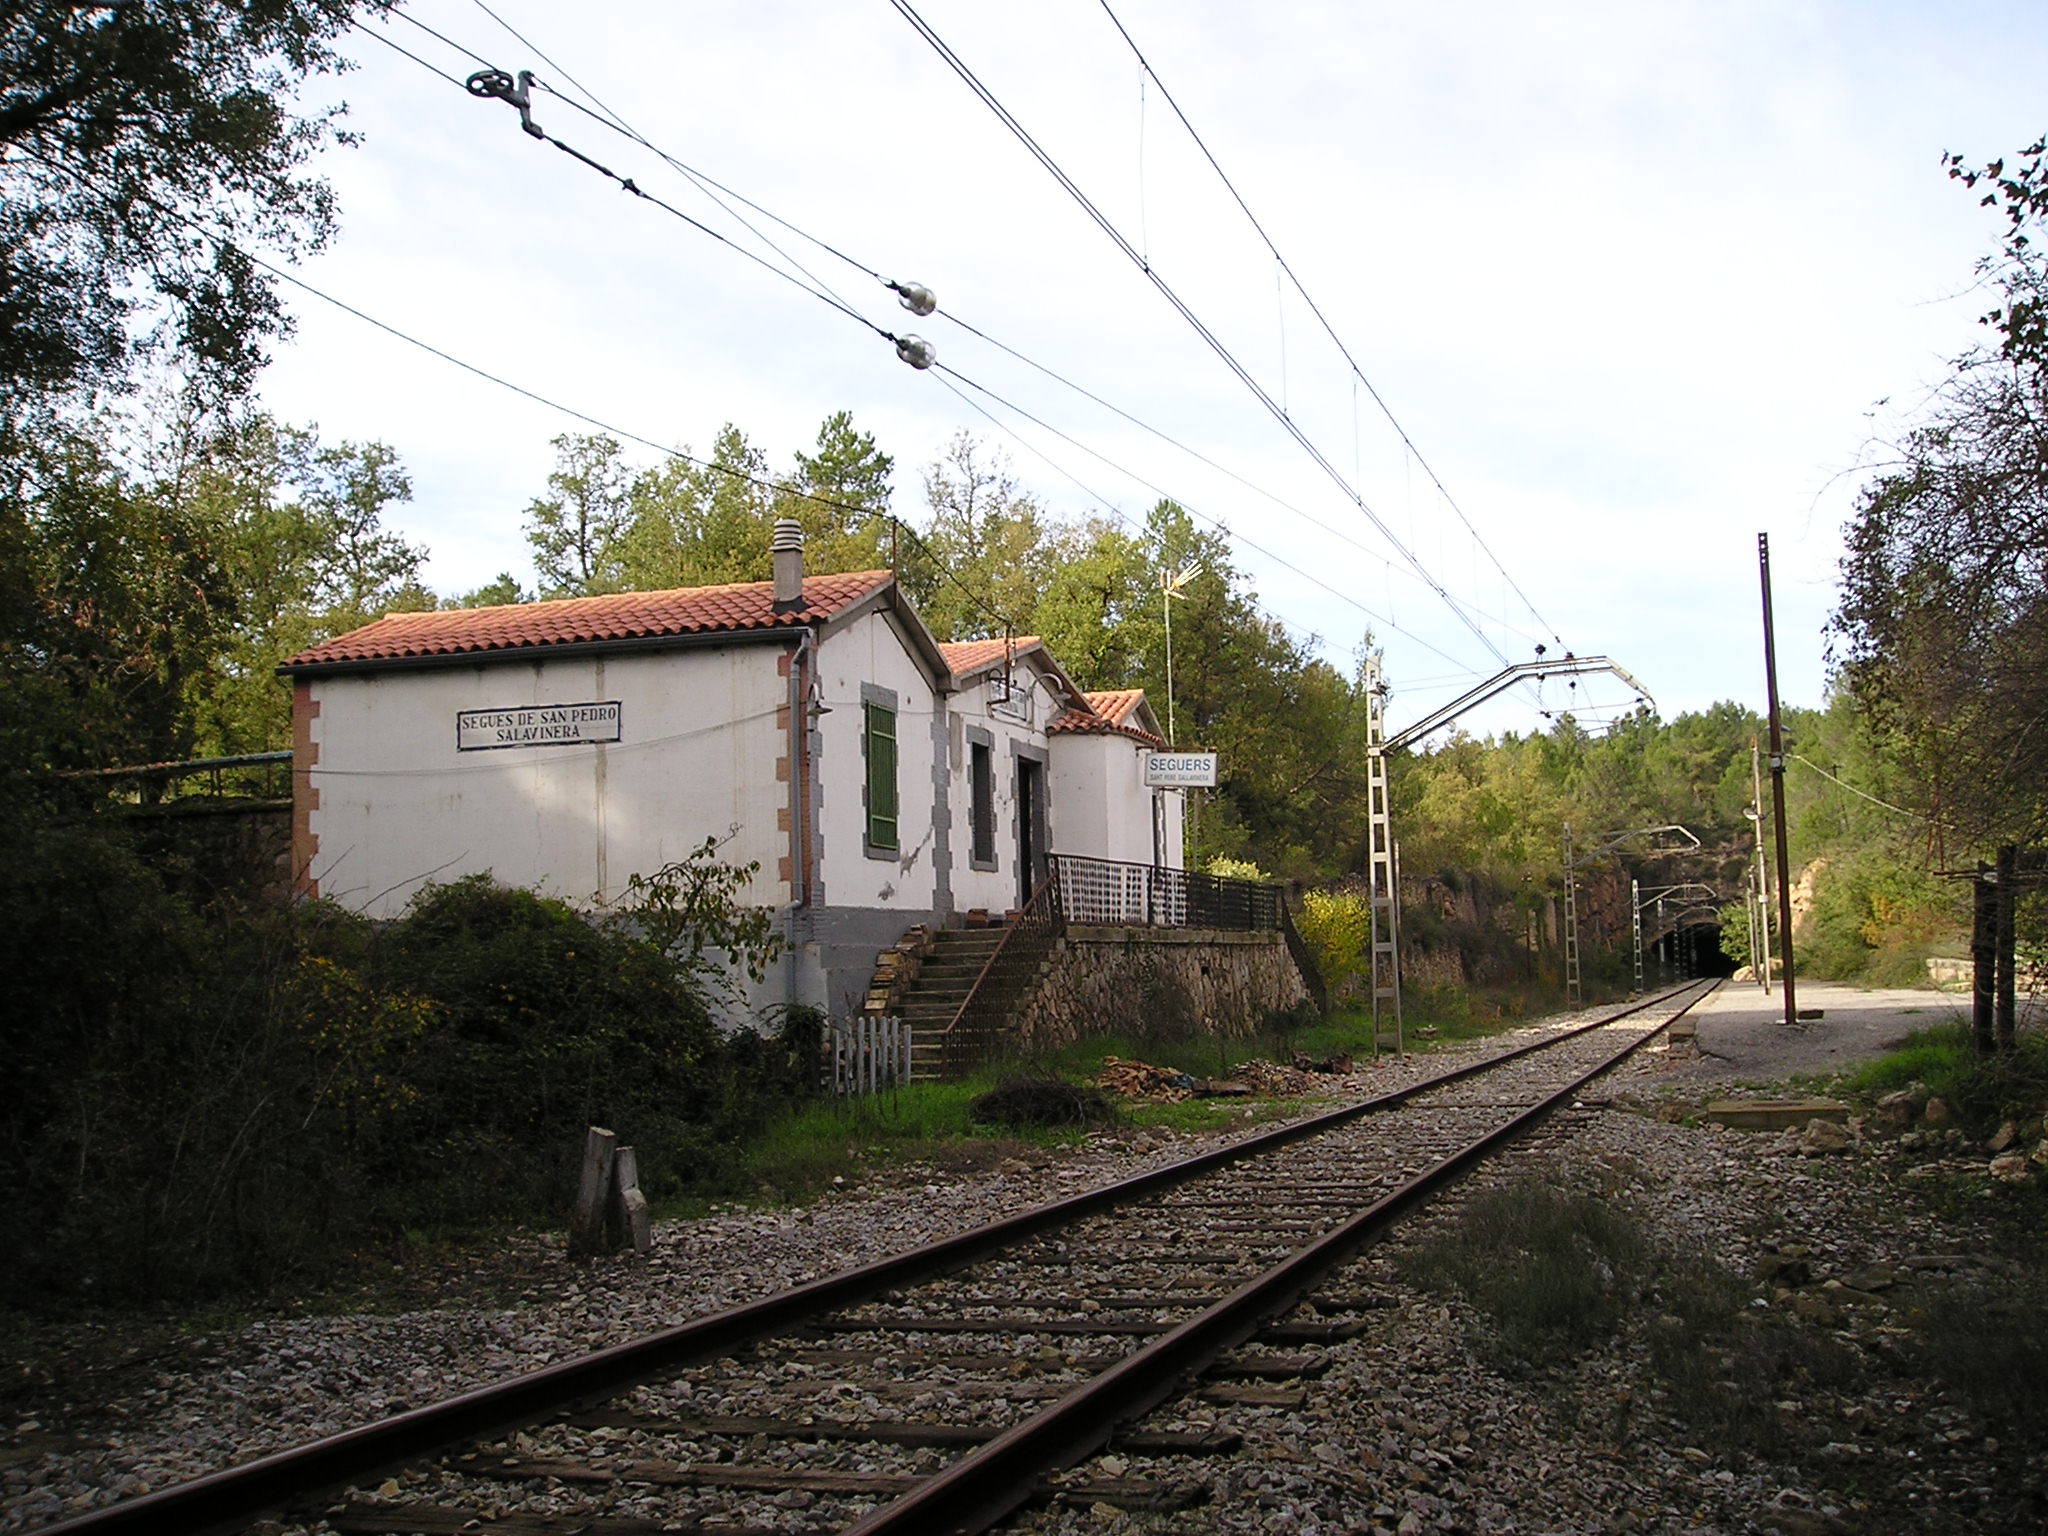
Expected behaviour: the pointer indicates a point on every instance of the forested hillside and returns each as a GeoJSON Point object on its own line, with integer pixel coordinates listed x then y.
{"type": "Point", "coordinates": [166, 561]}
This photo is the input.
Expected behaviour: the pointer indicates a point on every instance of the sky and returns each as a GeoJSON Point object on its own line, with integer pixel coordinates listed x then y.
{"type": "Point", "coordinates": [1633, 283]}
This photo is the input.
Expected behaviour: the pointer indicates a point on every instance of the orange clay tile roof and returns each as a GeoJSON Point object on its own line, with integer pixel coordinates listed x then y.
{"type": "Point", "coordinates": [1108, 714]}
{"type": "Point", "coordinates": [621, 617]}
{"type": "Point", "coordinates": [967, 657]}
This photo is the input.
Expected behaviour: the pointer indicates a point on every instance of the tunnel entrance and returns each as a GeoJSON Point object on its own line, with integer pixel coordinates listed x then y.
{"type": "Point", "coordinates": [1691, 950]}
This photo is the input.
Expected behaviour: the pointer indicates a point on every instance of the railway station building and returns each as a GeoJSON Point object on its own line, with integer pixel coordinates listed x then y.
{"type": "Point", "coordinates": [811, 725]}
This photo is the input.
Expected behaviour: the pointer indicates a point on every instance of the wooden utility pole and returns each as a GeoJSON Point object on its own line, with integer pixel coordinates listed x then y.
{"type": "Point", "coordinates": [2002, 915]}
{"type": "Point", "coordinates": [1983, 961]}
{"type": "Point", "coordinates": [1763, 555]}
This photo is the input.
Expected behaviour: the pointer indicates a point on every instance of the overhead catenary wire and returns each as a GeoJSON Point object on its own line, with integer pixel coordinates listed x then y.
{"type": "Point", "coordinates": [978, 600]}
{"type": "Point", "coordinates": [604, 115]}
{"type": "Point", "coordinates": [600, 111]}
{"type": "Point", "coordinates": [1182, 308]}
{"type": "Point", "coordinates": [1196, 454]}
{"type": "Point", "coordinates": [612, 121]}
{"type": "Point", "coordinates": [1357, 373]}
{"type": "Point", "coordinates": [494, 82]}
{"type": "Point", "coordinates": [948, 374]}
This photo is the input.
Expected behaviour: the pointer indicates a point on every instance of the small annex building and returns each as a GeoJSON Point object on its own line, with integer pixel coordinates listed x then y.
{"type": "Point", "coordinates": [811, 725]}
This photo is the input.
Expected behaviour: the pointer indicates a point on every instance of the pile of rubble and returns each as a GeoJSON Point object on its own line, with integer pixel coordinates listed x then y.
{"type": "Point", "coordinates": [1924, 1122]}
{"type": "Point", "coordinates": [1273, 1080]}
{"type": "Point", "coordinates": [1141, 1081]}
{"type": "Point", "coordinates": [1169, 1085]}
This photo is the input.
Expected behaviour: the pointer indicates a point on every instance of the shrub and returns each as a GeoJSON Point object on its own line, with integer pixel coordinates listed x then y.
{"type": "Point", "coordinates": [1236, 869]}
{"type": "Point", "coordinates": [210, 1100]}
{"type": "Point", "coordinates": [1989, 1346]}
{"type": "Point", "coordinates": [1337, 926]}
{"type": "Point", "coordinates": [1554, 1273]}
{"type": "Point", "coordinates": [544, 1023]}
{"type": "Point", "coordinates": [1983, 1091]}
{"type": "Point", "coordinates": [1040, 1101]}
{"type": "Point", "coordinates": [1549, 1269]}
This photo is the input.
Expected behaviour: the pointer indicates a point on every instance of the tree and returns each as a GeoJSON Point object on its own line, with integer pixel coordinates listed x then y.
{"type": "Point", "coordinates": [115, 599]}
{"type": "Point", "coordinates": [1943, 618]}
{"type": "Point", "coordinates": [841, 496]}
{"type": "Point", "coordinates": [297, 527]}
{"type": "Point", "coordinates": [575, 532]}
{"type": "Point", "coordinates": [988, 551]}
{"type": "Point", "coordinates": [144, 147]}
{"type": "Point", "coordinates": [500, 591]}
{"type": "Point", "coordinates": [147, 606]}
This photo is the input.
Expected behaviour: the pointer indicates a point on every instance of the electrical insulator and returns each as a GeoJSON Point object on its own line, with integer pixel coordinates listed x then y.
{"type": "Point", "coordinates": [915, 297]}
{"type": "Point", "coordinates": [916, 351]}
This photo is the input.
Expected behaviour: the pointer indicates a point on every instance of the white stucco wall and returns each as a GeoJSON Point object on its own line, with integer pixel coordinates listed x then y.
{"type": "Point", "coordinates": [872, 651]}
{"type": "Point", "coordinates": [399, 805]}
{"type": "Point", "coordinates": [1010, 722]}
{"type": "Point", "coordinates": [1102, 808]}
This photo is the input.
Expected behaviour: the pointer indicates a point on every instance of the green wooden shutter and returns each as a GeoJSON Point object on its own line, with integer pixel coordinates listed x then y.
{"type": "Point", "coordinates": [881, 753]}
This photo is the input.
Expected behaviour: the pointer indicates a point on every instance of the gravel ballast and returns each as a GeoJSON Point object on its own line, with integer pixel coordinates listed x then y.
{"type": "Point", "coordinates": [1414, 1428]}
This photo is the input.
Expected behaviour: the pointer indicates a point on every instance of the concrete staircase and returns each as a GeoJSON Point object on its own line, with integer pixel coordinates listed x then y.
{"type": "Point", "coordinates": [944, 978]}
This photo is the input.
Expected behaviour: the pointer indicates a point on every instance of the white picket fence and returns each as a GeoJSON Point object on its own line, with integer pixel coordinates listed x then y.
{"type": "Point", "coordinates": [866, 1054]}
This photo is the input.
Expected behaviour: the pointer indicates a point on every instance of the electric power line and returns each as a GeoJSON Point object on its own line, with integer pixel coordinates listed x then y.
{"type": "Point", "coordinates": [492, 82]}
{"type": "Point", "coordinates": [1315, 309]}
{"type": "Point", "coordinates": [1181, 307]}
{"type": "Point", "coordinates": [979, 601]}
{"type": "Point", "coordinates": [1217, 523]}
{"type": "Point", "coordinates": [499, 83]}
{"type": "Point", "coordinates": [717, 191]}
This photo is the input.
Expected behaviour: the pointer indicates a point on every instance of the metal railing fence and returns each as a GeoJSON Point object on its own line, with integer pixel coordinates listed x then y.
{"type": "Point", "coordinates": [1108, 894]}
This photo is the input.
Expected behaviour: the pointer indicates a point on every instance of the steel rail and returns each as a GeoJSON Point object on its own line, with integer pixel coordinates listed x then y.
{"type": "Point", "coordinates": [988, 1484]}
{"type": "Point", "coordinates": [219, 1499]}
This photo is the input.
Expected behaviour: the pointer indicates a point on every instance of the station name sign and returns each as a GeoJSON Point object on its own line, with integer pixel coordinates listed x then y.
{"type": "Point", "coordinates": [537, 725]}
{"type": "Point", "coordinates": [1180, 770]}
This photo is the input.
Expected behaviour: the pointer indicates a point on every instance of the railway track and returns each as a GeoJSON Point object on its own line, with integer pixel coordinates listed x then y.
{"type": "Point", "coordinates": [1070, 1354]}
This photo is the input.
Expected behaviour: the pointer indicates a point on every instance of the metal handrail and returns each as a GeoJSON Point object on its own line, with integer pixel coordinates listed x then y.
{"type": "Point", "coordinates": [1304, 961]}
{"type": "Point", "coordinates": [1172, 898]}
{"type": "Point", "coordinates": [1042, 904]}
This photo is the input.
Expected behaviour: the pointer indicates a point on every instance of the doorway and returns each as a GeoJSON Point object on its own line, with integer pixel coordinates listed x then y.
{"type": "Point", "coordinates": [1030, 829]}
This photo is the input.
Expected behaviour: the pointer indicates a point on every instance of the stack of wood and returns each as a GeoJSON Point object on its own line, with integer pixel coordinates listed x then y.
{"type": "Point", "coordinates": [895, 969]}
{"type": "Point", "coordinates": [1139, 1080]}
{"type": "Point", "coordinates": [1273, 1080]}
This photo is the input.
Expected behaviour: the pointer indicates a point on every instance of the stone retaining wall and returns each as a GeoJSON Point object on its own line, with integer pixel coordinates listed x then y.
{"type": "Point", "coordinates": [1160, 983]}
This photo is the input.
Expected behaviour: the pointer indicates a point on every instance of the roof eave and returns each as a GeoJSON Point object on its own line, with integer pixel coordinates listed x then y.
{"type": "Point", "coordinates": [546, 650]}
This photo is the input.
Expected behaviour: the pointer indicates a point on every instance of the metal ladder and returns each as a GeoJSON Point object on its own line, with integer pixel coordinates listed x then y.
{"type": "Point", "coordinates": [1573, 996]}
{"type": "Point", "coordinates": [1383, 866]}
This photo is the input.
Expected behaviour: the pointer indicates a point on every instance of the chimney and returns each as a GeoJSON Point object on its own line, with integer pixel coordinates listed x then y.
{"type": "Point", "coordinates": [788, 550]}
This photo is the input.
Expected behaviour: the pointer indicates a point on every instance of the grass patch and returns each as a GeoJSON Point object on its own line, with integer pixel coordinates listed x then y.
{"type": "Point", "coordinates": [1981, 1090]}
{"type": "Point", "coordinates": [1556, 1274]}
{"type": "Point", "coordinates": [1936, 1055]}
{"type": "Point", "coordinates": [800, 1153]}
{"type": "Point", "coordinates": [1444, 1015]}
{"type": "Point", "coordinates": [1988, 1345]}
{"type": "Point", "coordinates": [1549, 1269]}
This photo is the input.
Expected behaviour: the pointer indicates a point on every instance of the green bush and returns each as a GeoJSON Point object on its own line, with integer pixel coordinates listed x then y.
{"type": "Point", "coordinates": [1983, 1091]}
{"type": "Point", "coordinates": [1876, 915]}
{"type": "Point", "coordinates": [1337, 926]}
{"type": "Point", "coordinates": [1550, 1269]}
{"type": "Point", "coordinates": [212, 1100]}
{"type": "Point", "coordinates": [543, 1023]}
